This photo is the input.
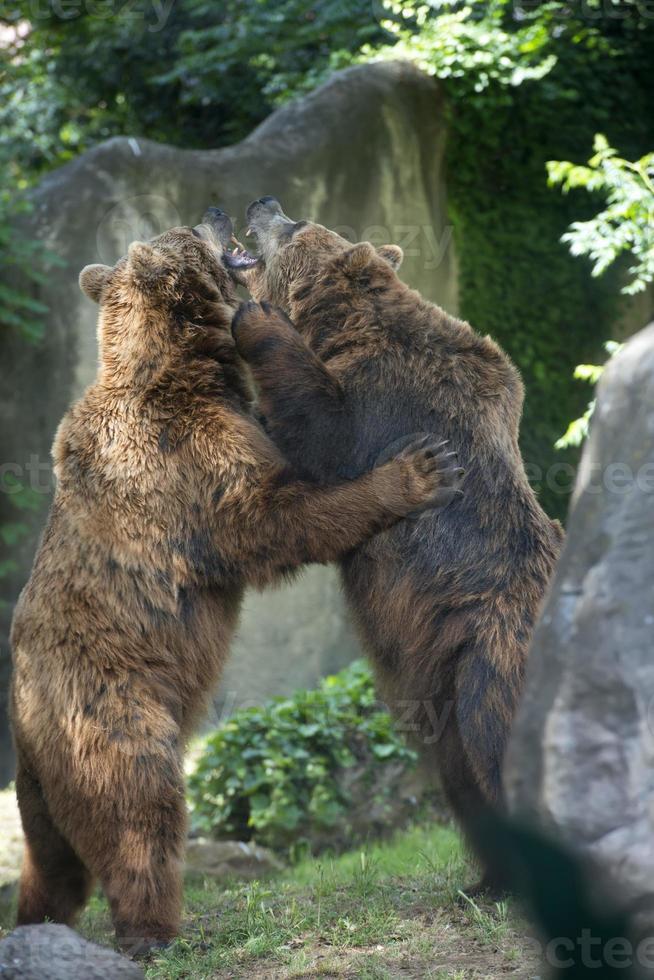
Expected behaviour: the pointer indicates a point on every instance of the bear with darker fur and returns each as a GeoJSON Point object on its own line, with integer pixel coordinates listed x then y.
{"type": "Point", "coordinates": [170, 500]}
{"type": "Point", "coordinates": [446, 604]}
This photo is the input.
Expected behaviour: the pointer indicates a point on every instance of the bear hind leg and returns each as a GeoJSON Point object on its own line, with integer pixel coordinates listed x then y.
{"type": "Point", "coordinates": [470, 758]}
{"type": "Point", "coordinates": [54, 883]}
{"type": "Point", "coordinates": [140, 867]}
{"type": "Point", "coordinates": [146, 901]}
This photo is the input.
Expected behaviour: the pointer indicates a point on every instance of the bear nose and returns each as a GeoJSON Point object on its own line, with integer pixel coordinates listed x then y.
{"type": "Point", "coordinates": [270, 202]}
{"type": "Point", "coordinates": [220, 224]}
{"type": "Point", "coordinates": [269, 205]}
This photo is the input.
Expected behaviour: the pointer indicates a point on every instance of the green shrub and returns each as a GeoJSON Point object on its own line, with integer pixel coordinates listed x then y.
{"type": "Point", "coordinates": [298, 769]}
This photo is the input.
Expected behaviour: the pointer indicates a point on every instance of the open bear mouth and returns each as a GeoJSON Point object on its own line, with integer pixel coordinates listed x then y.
{"type": "Point", "coordinates": [235, 256]}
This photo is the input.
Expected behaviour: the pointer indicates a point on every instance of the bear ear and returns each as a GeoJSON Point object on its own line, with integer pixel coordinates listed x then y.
{"type": "Point", "coordinates": [149, 266]}
{"type": "Point", "coordinates": [357, 258]}
{"type": "Point", "coordinates": [393, 254]}
{"type": "Point", "coordinates": [93, 279]}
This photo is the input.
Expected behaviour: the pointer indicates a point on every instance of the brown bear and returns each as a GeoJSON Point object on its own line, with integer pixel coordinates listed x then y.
{"type": "Point", "coordinates": [170, 500]}
{"type": "Point", "coordinates": [446, 604]}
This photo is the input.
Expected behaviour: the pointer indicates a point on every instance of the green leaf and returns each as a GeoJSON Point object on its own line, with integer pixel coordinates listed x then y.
{"type": "Point", "coordinates": [286, 789]}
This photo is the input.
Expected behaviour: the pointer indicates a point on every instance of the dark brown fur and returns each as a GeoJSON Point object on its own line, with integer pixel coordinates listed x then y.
{"type": "Point", "coordinates": [170, 500]}
{"type": "Point", "coordinates": [446, 604]}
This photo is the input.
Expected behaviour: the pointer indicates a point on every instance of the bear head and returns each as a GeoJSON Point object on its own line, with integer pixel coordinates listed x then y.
{"type": "Point", "coordinates": [295, 255]}
{"type": "Point", "coordinates": [170, 296]}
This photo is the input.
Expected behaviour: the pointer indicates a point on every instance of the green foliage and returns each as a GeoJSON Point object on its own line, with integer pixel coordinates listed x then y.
{"type": "Point", "coordinates": [24, 113]}
{"type": "Point", "coordinates": [25, 264]}
{"type": "Point", "coordinates": [468, 44]}
{"type": "Point", "coordinates": [75, 79]}
{"type": "Point", "coordinates": [626, 224]}
{"type": "Point", "coordinates": [578, 429]}
{"type": "Point", "coordinates": [524, 85]}
{"type": "Point", "coordinates": [20, 499]}
{"type": "Point", "coordinates": [272, 772]}
{"type": "Point", "coordinates": [20, 258]}
{"type": "Point", "coordinates": [271, 50]}
{"type": "Point", "coordinates": [192, 72]}
{"type": "Point", "coordinates": [29, 127]}
{"type": "Point", "coordinates": [24, 259]}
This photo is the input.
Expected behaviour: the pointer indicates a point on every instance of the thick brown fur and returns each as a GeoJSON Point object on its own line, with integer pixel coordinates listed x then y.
{"type": "Point", "coordinates": [170, 500]}
{"type": "Point", "coordinates": [445, 605]}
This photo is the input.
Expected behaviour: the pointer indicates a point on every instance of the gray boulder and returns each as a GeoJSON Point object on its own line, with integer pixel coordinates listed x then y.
{"type": "Point", "coordinates": [363, 154]}
{"type": "Point", "coordinates": [52, 952]}
{"type": "Point", "coordinates": [229, 859]}
{"type": "Point", "coordinates": [581, 760]}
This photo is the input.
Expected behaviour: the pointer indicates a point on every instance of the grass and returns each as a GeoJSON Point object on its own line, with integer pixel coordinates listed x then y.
{"type": "Point", "coordinates": [391, 910]}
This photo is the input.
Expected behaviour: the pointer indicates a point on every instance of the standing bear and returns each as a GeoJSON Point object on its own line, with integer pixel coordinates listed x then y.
{"type": "Point", "coordinates": [445, 604]}
{"type": "Point", "coordinates": [170, 500]}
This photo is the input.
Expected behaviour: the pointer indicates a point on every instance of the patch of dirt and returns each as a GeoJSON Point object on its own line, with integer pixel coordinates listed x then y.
{"type": "Point", "coordinates": [350, 964]}
{"type": "Point", "coordinates": [442, 949]}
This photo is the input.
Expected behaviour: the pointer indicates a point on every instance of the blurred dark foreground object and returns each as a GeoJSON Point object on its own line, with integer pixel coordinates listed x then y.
{"type": "Point", "coordinates": [585, 923]}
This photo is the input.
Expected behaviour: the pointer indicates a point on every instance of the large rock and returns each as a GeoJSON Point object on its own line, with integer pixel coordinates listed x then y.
{"type": "Point", "coordinates": [362, 153]}
{"type": "Point", "coordinates": [52, 952]}
{"type": "Point", "coordinates": [224, 859]}
{"type": "Point", "coordinates": [582, 755]}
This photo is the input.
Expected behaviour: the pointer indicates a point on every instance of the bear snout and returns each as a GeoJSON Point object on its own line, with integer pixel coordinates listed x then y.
{"type": "Point", "coordinates": [220, 224]}
{"type": "Point", "coordinates": [267, 203]}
